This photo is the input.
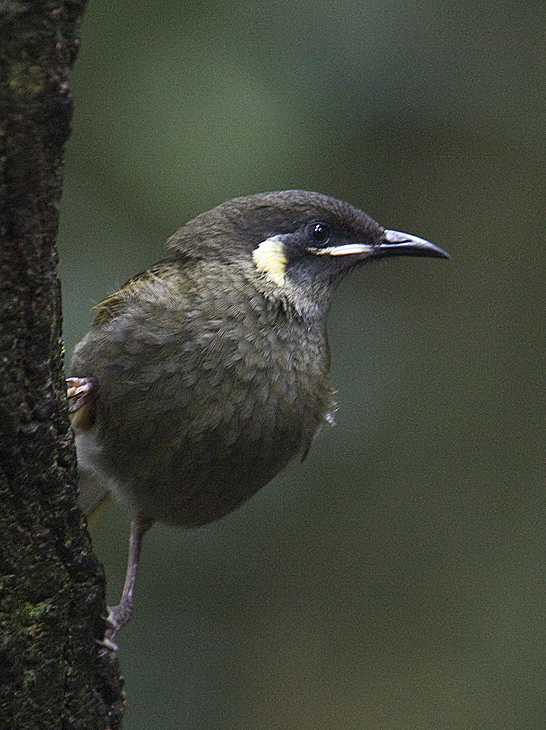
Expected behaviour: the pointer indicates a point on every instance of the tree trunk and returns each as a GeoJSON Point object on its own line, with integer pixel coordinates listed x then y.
{"type": "Point", "coordinates": [51, 586]}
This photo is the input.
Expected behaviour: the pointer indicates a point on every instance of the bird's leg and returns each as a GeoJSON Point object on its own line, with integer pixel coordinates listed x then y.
{"type": "Point", "coordinates": [83, 393]}
{"type": "Point", "coordinates": [119, 615]}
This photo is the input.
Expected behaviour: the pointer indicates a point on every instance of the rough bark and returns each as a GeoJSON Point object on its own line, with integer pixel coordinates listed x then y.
{"type": "Point", "coordinates": [51, 586]}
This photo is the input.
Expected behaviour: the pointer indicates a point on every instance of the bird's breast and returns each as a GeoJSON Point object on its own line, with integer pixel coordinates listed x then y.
{"type": "Point", "coordinates": [211, 414]}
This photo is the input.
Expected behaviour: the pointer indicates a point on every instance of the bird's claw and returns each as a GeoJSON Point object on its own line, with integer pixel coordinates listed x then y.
{"type": "Point", "coordinates": [79, 389]}
{"type": "Point", "coordinates": [107, 646]}
{"type": "Point", "coordinates": [109, 619]}
{"type": "Point", "coordinates": [107, 643]}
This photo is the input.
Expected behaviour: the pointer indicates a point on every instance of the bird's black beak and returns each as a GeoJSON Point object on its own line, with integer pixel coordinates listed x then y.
{"type": "Point", "coordinates": [393, 243]}
{"type": "Point", "coordinates": [396, 243]}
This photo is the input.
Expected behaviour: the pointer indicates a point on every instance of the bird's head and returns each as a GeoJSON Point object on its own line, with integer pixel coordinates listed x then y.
{"type": "Point", "coordinates": [295, 244]}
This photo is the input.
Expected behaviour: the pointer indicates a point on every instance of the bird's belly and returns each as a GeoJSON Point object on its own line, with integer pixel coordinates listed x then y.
{"type": "Point", "coordinates": [197, 474]}
{"type": "Point", "coordinates": [193, 492]}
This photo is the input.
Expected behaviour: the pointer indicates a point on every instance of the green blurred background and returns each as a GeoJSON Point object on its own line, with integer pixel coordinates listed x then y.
{"type": "Point", "coordinates": [396, 580]}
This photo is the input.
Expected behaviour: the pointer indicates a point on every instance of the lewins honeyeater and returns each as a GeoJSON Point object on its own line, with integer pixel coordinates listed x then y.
{"type": "Point", "coordinates": [203, 376]}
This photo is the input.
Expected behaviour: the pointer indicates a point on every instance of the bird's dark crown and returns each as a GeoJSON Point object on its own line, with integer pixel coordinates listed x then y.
{"type": "Point", "coordinates": [243, 223]}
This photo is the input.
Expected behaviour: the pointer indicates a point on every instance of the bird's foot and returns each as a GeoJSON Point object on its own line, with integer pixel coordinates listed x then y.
{"type": "Point", "coordinates": [120, 614]}
{"type": "Point", "coordinates": [116, 619]}
{"type": "Point", "coordinates": [80, 389]}
{"type": "Point", "coordinates": [107, 646]}
{"type": "Point", "coordinates": [81, 392]}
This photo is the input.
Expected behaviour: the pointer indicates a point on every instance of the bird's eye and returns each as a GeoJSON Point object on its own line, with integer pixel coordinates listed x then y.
{"type": "Point", "coordinates": [318, 232]}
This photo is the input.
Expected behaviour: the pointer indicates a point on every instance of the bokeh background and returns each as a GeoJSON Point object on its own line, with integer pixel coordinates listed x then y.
{"type": "Point", "coordinates": [395, 580]}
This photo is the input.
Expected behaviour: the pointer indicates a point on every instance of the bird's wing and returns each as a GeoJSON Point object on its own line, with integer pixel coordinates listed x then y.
{"type": "Point", "coordinates": [116, 302]}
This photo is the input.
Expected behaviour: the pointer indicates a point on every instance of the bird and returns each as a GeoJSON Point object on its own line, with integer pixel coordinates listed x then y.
{"type": "Point", "coordinates": [203, 376]}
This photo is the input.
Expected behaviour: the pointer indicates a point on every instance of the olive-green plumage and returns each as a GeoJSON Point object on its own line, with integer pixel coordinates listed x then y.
{"type": "Point", "coordinates": [206, 391]}
{"type": "Point", "coordinates": [210, 371]}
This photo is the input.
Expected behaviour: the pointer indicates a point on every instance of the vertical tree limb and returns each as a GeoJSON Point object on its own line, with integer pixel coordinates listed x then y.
{"type": "Point", "coordinates": [51, 586]}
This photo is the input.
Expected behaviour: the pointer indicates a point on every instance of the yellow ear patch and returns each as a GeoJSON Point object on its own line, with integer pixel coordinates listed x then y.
{"type": "Point", "coordinates": [270, 258]}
